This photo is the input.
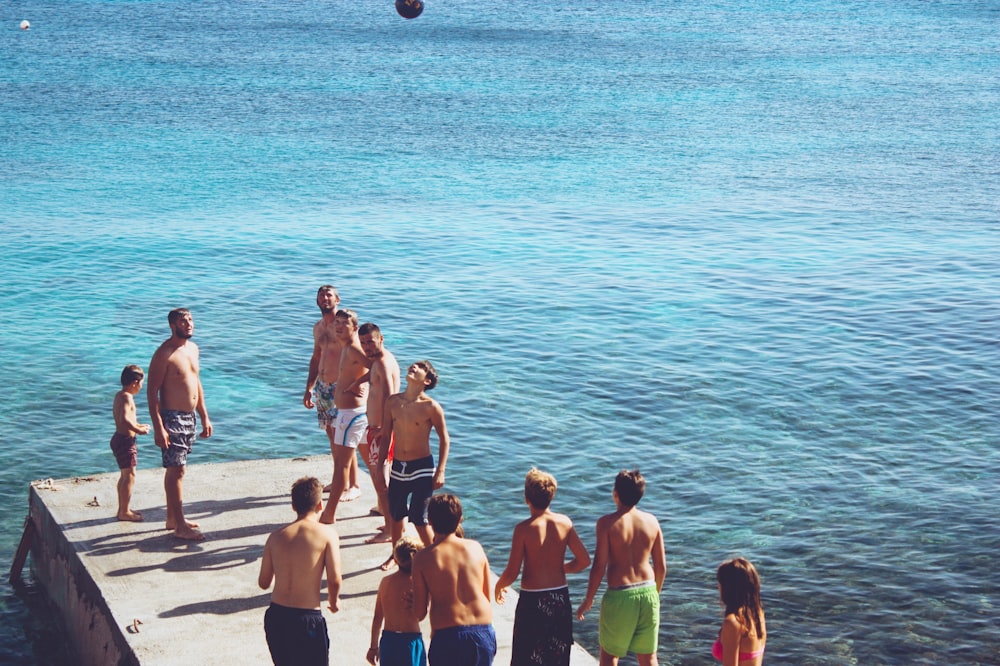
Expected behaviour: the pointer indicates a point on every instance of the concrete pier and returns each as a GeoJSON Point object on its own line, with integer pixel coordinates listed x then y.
{"type": "Point", "coordinates": [131, 593]}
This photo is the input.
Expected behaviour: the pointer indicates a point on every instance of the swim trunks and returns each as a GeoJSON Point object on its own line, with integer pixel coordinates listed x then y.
{"type": "Point", "coordinates": [397, 648]}
{"type": "Point", "coordinates": [469, 645]}
{"type": "Point", "coordinates": [296, 636]}
{"type": "Point", "coordinates": [326, 410]}
{"type": "Point", "coordinates": [126, 453]}
{"type": "Point", "coordinates": [543, 628]}
{"type": "Point", "coordinates": [630, 619]}
{"type": "Point", "coordinates": [408, 477]}
{"type": "Point", "coordinates": [351, 425]}
{"type": "Point", "coordinates": [180, 428]}
{"type": "Point", "coordinates": [374, 448]}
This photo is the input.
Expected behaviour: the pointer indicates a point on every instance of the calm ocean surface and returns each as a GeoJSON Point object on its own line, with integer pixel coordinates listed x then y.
{"type": "Point", "coordinates": [750, 247]}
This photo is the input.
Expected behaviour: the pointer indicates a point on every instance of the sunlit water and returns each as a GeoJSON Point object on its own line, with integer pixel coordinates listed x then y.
{"type": "Point", "coordinates": [751, 248]}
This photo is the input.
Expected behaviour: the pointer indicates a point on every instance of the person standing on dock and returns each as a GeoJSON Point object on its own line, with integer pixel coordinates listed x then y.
{"type": "Point", "coordinates": [626, 542]}
{"type": "Point", "coordinates": [321, 384]}
{"type": "Point", "coordinates": [408, 418]}
{"type": "Point", "coordinates": [174, 393]}
{"type": "Point", "coordinates": [296, 558]}
{"type": "Point", "coordinates": [383, 381]}
{"type": "Point", "coordinates": [543, 620]}
{"type": "Point", "coordinates": [350, 399]}
{"type": "Point", "coordinates": [452, 576]}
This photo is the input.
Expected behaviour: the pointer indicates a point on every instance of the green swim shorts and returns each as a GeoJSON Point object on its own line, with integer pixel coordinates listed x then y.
{"type": "Point", "coordinates": [630, 620]}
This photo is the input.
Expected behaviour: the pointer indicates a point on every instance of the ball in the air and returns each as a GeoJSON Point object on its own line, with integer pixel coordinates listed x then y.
{"type": "Point", "coordinates": [409, 9]}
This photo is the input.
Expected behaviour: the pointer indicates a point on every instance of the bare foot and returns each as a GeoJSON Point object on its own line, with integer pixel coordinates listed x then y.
{"type": "Point", "coordinates": [374, 512]}
{"type": "Point", "coordinates": [381, 537]}
{"type": "Point", "coordinates": [131, 516]}
{"type": "Point", "coordinates": [189, 535]}
{"type": "Point", "coordinates": [328, 487]}
{"type": "Point", "coordinates": [190, 524]}
{"type": "Point", "coordinates": [351, 495]}
{"type": "Point", "coordinates": [388, 564]}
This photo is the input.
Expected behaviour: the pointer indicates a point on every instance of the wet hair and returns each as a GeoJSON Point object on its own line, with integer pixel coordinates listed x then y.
{"type": "Point", "coordinates": [349, 315]}
{"type": "Point", "coordinates": [539, 488]}
{"type": "Point", "coordinates": [739, 587]}
{"type": "Point", "coordinates": [328, 287]}
{"type": "Point", "coordinates": [176, 314]}
{"type": "Point", "coordinates": [444, 513]}
{"type": "Point", "coordinates": [131, 373]}
{"type": "Point", "coordinates": [630, 486]}
{"type": "Point", "coordinates": [432, 374]}
{"type": "Point", "coordinates": [403, 552]}
{"type": "Point", "coordinates": [369, 328]}
{"type": "Point", "coordinates": [306, 494]}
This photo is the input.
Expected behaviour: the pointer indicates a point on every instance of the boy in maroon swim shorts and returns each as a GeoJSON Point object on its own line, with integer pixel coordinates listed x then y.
{"type": "Point", "coordinates": [123, 441]}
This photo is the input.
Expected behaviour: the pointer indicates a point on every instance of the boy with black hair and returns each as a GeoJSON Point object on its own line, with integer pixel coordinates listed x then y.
{"type": "Point", "coordinates": [127, 426]}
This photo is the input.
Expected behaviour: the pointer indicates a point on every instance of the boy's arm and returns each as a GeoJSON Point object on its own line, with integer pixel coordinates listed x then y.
{"type": "Point", "coordinates": [598, 570]}
{"type": "Point", "coordinates": [154, 382]}
{"type": "Point", "coordinates": [266, 574]}
{"type": "Point", "coordinates": [581, 558]}
{"type": "Point", "coordinates": [385, 433]}
{"type": "Point", "coordinates": [513, 569]}
{"type": "Point", "coordinates": [129, 416]}
{"type": "Point", "coordinates": [333, 577]}
{"type": "Point", "coordinates": [373, 655]}
{"type": "Point", "coordinates": [659, 559]}
{"type": "Point", "coordinates": [437, 420]}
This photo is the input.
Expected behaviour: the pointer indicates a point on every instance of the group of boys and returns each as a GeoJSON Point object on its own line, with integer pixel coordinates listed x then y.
{"type": "Point", "coordinates": [354, 385]}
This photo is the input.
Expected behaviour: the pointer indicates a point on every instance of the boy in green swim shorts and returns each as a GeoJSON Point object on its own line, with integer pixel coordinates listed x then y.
{"type": "Point", "coordinates": [627, 540]}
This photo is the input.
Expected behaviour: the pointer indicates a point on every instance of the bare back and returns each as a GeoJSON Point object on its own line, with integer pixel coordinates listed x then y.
{"type": "Point", "coordinates": [397, 614]}
{"type": "Point", "coordinates": [632, 538]}
{"type": "Point", "coordinates": [298, 555]}
{"type": "Point", "coordinates": [384, 382]}
{"type": "Point", "coordinates": [453, 576]}
{"type": "Point", "coordinates": [124, 411]}
{"type": "Point", "coordinates": [545, 539]}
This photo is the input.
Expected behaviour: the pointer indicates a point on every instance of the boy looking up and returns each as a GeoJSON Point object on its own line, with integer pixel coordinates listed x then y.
{"type": "Point", "coordinates": [123, 446]}
{"type": "Point", "coordinates": [543, 621]}
{"type": "Point", "coordinates": [630, 610]}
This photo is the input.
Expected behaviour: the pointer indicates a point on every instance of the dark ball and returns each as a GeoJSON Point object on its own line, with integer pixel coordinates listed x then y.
{"type": "Point", "coordinates": [409, 9]}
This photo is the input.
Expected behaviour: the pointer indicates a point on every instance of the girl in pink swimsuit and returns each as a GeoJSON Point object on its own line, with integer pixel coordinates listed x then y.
{"type": "Point", "coordinates": [743, 633]}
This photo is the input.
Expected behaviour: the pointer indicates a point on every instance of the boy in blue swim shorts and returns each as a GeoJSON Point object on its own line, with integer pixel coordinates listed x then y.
{"type": "Point", "coordinates": [627, 541]}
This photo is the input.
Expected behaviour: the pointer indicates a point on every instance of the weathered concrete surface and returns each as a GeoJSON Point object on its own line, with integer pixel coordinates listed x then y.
{"type": "Point", "coordinates": [134, 594]}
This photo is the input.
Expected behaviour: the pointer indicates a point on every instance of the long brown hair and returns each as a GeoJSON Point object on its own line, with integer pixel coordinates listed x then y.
{"type": "Point", "coordinates": [739, 586]}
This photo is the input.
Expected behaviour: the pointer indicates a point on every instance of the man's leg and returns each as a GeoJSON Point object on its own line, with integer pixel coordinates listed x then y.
{"type": "Point", "coordinates": [342, 456]}
{"type": "Point", "coordinates": [172, 485]}
{"type": "Point", "coordinates": [331, 433]}
{"type": "Point", "coordinates": [608, 659]}
{"type": "Point", "coordinates": [646, 659]}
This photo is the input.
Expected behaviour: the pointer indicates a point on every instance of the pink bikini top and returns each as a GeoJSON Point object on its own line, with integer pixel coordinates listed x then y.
{"type": "Point", "coordinates": [744, 656]}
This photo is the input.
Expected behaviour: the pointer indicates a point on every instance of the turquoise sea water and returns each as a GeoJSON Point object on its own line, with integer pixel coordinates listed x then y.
{"type": "Point", "coordinates": [752, 248]}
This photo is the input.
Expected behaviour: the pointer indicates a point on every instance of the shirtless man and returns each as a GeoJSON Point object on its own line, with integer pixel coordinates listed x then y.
{"type": "Point", "coordinates": [350, 398]}
{"type": "Point", "coordinates": [408, 419]}
{"type": "Point", "coordinates": [626, 541]}
{"type": "Point", "coordinates": [174, 394]}
{"type": "Point", "coordinates": [453, 576]}
{"type": "Point", "coordinates": [543, 621]}
{"type": "Point", "coordinates": [383, 382]}
{"type": "Point", "coordinates": [324, 365]}
{"type": "Point", "coordinates": [296, 557]}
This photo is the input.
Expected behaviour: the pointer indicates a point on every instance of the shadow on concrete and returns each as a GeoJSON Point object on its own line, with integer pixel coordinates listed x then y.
{"type": "Point", "coordinates": [221, 607]}
{"type": "Point", "coordinates": [200, 559]}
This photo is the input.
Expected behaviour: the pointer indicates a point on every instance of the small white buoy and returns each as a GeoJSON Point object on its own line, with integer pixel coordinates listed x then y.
{"type": "Point", "coordinates": [25, 25]}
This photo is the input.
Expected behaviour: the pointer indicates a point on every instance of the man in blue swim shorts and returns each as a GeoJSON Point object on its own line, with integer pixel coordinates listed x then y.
{"type": "Point", "coordinates": [452, 576]}
{"type": "Point", "coordinates": [626, 542]}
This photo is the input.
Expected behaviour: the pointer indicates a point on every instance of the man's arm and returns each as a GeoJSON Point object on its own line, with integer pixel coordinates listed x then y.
{"type": "Point", "coordinates": [157, 371]}
{"type": "Point", "coordinates": [385, 433]}
{"type": "Point", "coordinates": [659, 559]}
{"type": "Point", "coordinates": [333, 577]}
{"type": "Point", "coordinates": [437, 420]}
{"type": "Point", "coordinates": [206, 425]}
{"type": "Point", "coordinates": [266, 575]}
{"type": "Point", "coordinates": [307, 399]}
{"type": "Point", "coordinates": [581, 558]}
{"type": "Point", "coordinates": [420, 594]}
{"type": "Point", "coordinates": [513, 569]}
{"type": "Point", "coordinates": [597, 571]}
